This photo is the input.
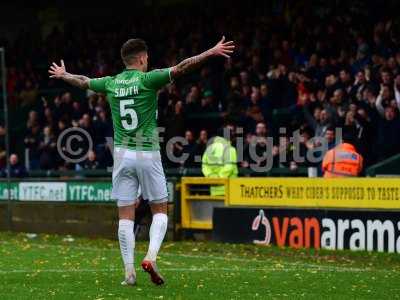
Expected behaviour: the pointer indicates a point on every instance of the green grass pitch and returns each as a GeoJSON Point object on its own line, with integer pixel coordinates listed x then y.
{"type": "Point", "coordinates": [57, 267]}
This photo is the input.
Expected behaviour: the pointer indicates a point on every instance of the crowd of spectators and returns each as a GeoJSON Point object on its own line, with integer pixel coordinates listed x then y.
{"type": "Point", "coordinates": [46, 124]}
{"type": "Point", "coordinates": [307, 73]}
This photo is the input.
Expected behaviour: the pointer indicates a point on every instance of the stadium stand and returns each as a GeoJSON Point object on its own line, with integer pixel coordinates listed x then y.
{"type": "Point", "coordinates": [310, 71]}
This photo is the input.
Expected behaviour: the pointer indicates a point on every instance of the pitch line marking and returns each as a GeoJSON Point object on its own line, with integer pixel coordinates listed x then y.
{"type": "Point", "coordinates": [227, 259]}
{"type": "Point", "coordinates": [38, 271]}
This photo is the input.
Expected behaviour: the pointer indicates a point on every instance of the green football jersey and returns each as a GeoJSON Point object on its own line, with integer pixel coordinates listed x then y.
{"type": "Point", "coordinates": [132, 96]}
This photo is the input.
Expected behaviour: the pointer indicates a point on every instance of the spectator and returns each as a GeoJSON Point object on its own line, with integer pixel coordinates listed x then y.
{"type": "Point", "coordinates": [258, 149]}
{"type": "Point", "coordinates": [66, 105]}
{"type": "Point", "coordinates": [220, 160]}
{"type": "Point", "coordinates": [383, 99]}
{"type": "Point", "coordinates": [388, 134]}
{"type": "Point", "coordinates": [92, 102]}
{"type": "Point", "coordinates": [343, 160]}
{"type": "Point", "coordinates": [265, 102]}
{"type": "Point", "coordinates": [103, 137]}
{"type": "Point", "coordinates": [336, 107]}
{"type": "Point", "coordinates": [207, 103]}
{"type": "Point", "coordinates": [32, 142]}
{"type": "Point", "coordinates": [61, 126]}
{"type": "Point", "coordinates": [47, 148]}
{"type": "Point", "coordinates": [346, 81]}
{"type": "Point", "coordinates": [86, 124]}
{"type": "Point", "coordinates": [48, 118]}
{"type": "Point", "coordinates": [102, 128]}
{"type": "Point", "coordinates": [185, 151]}
{"type": "Point", "coordinates": [330, 136]}
{"type": "Point", "coordinates": [386, 77]}
{"type": "Point", "coordinates": [281, 154]}
{"type": "Point", "coordinates": [200, 148]}
{"type": "Point", "coordinates": [365, 133]}
{"type": "Point", "coordinates": [254, 111]}
{"type": "Point", "coordinates": [28, 93]}
{"type": "Point", "coordinates": [77, 112]}
{"type": "Point", "coordinates": [17, 170]}
{"type": "Point", "coordinates": [319, 122]}
{"type": "Point", "coordinates": [299, 154]}
{"type": "Point", "coordinates": [359, 85]}
{"type": "Point", "coordinates": [192, 100]}
{"type": "Point", "coordinates": [175, 120]}
{"type": "Point", "coordinates": [33, 119]}
{"type": "Point", "coordinates": [90, 163]}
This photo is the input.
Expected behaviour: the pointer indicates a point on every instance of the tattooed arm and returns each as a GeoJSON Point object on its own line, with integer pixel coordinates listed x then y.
{"type": "Point", "coordinates": [221, 49]}
{"type": "Point", "coordinates": [79, 81]}
{"type": "Point", "coordinates": [59, 72]}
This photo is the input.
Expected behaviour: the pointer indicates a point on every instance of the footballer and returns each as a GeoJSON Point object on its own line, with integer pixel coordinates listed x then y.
{"type": "Point", "coordinates": [132, 96]}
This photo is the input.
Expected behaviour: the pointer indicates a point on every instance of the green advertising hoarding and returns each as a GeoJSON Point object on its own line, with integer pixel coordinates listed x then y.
{"type": "Point", "coordinates": [89, 192]}
{"type": "Point", "coordinates": [4, 190]}
{"type": "Point", "coordinates": [72, 191]}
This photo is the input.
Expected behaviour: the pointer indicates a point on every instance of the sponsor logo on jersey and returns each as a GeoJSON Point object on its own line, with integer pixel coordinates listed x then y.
{"type": "Point", "coordinates": [126, 81]}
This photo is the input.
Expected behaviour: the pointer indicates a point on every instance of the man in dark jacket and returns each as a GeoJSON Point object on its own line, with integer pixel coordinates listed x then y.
{"type": "Point", "coordinates": [16, 169]}
{"type": "Point", "coordinates": [388, 134]}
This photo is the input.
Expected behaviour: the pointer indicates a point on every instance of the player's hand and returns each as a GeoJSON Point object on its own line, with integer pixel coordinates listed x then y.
{"type": "Point", "coordinates": [57, 71]}
{"type": "Point", "coordinates": [223, 48]}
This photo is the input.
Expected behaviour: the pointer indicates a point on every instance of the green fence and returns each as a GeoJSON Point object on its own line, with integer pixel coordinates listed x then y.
{"type": "Point", "coordinates": [64, 191]}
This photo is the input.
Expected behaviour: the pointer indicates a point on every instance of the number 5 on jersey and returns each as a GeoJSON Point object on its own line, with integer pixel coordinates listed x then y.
{"type": "Point", "coordinates": [126, 111]}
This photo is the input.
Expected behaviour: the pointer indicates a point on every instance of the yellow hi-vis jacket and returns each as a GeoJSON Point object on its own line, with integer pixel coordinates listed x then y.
{"type": "Point", "coordinates": [219, 161]}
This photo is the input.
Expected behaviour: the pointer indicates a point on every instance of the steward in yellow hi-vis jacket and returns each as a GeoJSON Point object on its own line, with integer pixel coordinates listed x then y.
{"type": "Point", "coordinates": [219, 161]}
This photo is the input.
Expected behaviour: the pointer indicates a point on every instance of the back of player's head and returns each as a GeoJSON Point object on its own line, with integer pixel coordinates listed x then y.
{"type": "Point", "coordinates": [131, 48]}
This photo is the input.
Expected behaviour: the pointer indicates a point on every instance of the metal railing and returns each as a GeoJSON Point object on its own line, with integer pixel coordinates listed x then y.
{"type": "Point", "coordinates": [390, 166]}
{"type": "Point", "coordinates": [196, 202]}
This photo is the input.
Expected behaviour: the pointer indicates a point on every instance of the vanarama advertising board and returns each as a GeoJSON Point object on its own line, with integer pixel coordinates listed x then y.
{"type": "Point", "coordinates": [371, 193]}
{"type": "Point", "coordinates": [342, 213]}
{"type": "Point", "coordinates": [309, 228]}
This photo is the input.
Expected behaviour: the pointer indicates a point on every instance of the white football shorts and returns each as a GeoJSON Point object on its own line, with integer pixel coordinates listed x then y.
{"type": "Point", "coordinates": [135, 173]}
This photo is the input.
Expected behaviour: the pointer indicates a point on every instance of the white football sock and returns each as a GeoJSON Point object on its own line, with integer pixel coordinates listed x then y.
{"type": "Point", "coordinates": [127, 244]}
{"type": "Point", "coordinates": [158, 229]}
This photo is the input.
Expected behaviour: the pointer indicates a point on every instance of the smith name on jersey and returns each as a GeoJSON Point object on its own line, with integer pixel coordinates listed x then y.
{"type": "Point", "coordinates": [132, 96]}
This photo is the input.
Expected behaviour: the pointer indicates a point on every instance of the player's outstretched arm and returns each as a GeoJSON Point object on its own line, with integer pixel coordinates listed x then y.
{"type": "Point", "coordinates": [221, 49]}
{"type": "Point", "coordinates": [59, 72]}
